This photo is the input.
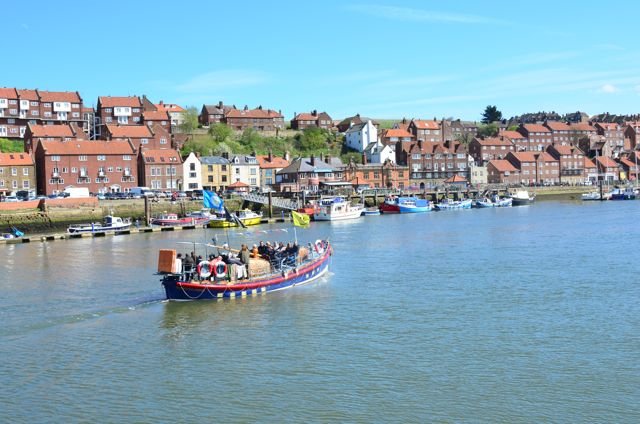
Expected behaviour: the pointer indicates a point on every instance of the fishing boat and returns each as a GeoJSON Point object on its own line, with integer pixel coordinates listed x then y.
{"type": "Point", "coordinates": [450, 204]}
{"type": "Point", "coordinates": [622, 193]}
{"type": "Point", "coordinates": [336, 209]}
{"type": "Point", "coordinates": [522, 197]}
{"type": "Point", "coordinates": [247, 217]}
{"type": "Point", "coordinates": [172, 219]}
{"type": "Point", "coordinates": [495, 202]}
{"type": "Point", "coordinates": [594, 195]}
{"type": "Point", "coordinates": [395, 204]}
{"type": "Point", "coordinates": [370, 211]}
{"type": "Point", "coordinates": [110, 223]}
{"type": "Point", "coordinates": [217, 279]}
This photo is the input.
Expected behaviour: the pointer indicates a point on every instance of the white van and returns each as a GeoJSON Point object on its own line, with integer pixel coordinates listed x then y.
{"type": "Point", "coordinates": [76, 192]}
{"type": "Point", "coordinates": [141, 192]}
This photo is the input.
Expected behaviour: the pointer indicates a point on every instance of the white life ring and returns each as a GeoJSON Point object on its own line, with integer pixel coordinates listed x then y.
{"type": "Point", "coordinates": [219, 268]}
{"type": "Point", "coordinates": [319, 246]}
{"type": "Point", "coordinates": [204, 269]}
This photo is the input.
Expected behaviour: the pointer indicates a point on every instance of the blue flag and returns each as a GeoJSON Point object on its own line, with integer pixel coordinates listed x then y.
{"type": "Point", "coordinates": [213, 201]}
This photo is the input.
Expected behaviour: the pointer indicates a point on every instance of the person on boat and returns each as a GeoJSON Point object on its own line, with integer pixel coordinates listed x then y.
{"type": "Point", "coordinates": [254, 251]}
{"type": "Point", "coordinates": [244, 256]}
{"type": "Point", "coordinates": [178, 268]}
{"type": "Point", "coordinates": [262, 249]}
{"type": "Point", "coordinates": [188, 266]}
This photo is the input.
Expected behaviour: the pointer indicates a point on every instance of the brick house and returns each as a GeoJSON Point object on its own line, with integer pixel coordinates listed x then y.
{"type": "Point", "coordinates": [176, 113]}
{"type": "Point", "coordinates": [432, 163]}
{"type": "Point", "coordinates": [424, 130]}
{"type": "Point", "coordinates": [258, 119]}
{"type": "Point", "coordinates": [630, 168]}
{"type": "Point", "coordinates": [269, 167]}
{"type": "Point", "coordinates": [535, 167]}
{"type": "Point", "coordinates": [37, 132]}
{"type": "Point", "coordinates": [391, 137]}
{"type": "Point", "coordinates": [160, 169]}
{"type": "Point", "coordinates": [214, 114]}
{"type": "Point", "coordinates": [101, 166]}
{"type": "Point", "coordinates": [538, 136]}
{"type": "Point", "coordinates": [485, 149]}
{"type": "Point", "coordinates": [614, 137]}
{"type": "Point", "coordinates": [571, 162]}
{"type": "Point", "coordinates": [118, 110]}
{"type": "Point", "coordinates": [307, 174]}
{"type": "Point", "coordinates": [459, 130]}
{"type": "Point", "coordinates": [632, 132]}
{"type": "Point", "coordinates": [157, 117]}
{"type": "Point", "coordinates": [560, 132]}
{"type": "Point", "coordinates": [377, 175]}
{"type": "Point", "coordinates": [216, 173]}
{"type": "Point", "coordinates": [608, 169]}
{"type": "Point", "coordinates": [501, 171]}
{"type": "Point", "coordinates": [141, 136]}
{"type": "Point", "coordinates": [580, 131]}
{"type": "Point", "coordinates": [301, 121]}
{"type": "Point", "coordinates": [590, 170]}
{"type": "Point", "coordinates": [520, 142]}
{"type": "Point", "coordinates": [17, 172]}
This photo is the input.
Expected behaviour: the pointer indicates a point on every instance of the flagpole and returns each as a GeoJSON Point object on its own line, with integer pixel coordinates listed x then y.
{"type": "Point", "coordinates": [295, 232]}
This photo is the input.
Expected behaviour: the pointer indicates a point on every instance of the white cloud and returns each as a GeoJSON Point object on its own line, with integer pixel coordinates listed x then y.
{"type": "Point", "coordinates": [608, 88]}
{"type": "Point", "coordinates": [420, 15]}
{"type": "Point", "coordinates": [219, 80]}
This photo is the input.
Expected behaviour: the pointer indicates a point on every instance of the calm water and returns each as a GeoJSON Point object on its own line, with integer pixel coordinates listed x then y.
{"type": "Point", "coordinates": [527, 314]}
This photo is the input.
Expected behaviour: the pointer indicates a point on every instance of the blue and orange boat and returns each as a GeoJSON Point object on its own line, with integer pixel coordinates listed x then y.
{"type": "Point", "coordinates": [215, 279]}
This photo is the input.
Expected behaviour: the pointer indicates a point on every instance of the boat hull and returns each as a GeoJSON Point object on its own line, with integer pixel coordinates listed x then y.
{"type": "Point", "coordinates": [97, 229]}
{"type": "Point", "coordinates": [522, 202]}
{"type": "Point", "coordinates": [454, 205]}
{"type": "Point", "coordinates": [414, 209]}
{"type": "Point", "coordinates": [194, 290]}
{"type": "Point", "coordinates": [223, 223]}
{"type": "Point", "coordinates": [183, 222]}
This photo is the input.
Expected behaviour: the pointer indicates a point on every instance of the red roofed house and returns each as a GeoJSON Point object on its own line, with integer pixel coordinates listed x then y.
{"type": "Point", "coordinates": [313, 119]}
{"type": "Point", "coordinates": [608, 168]}
{"type": "Point", "coordinates": [520, 142]}
{"type": "Point", "coordinates": [535, 167]}
{"type": "Point", "coordinates": [392, 136]}
{"type": "Point", "coordinates": [214, 114]}
{"type": "Point", "coordinates": [141, 136]}
{"type": "Point", "coordinates": [176, 112]}
{"type": "Point", "coordinates": [630, 168]}
{"type": "Point", "coordinates": [377, 175]}
{"type": "Point", "coordinates": [118, 110]}
{"type": "Point", "coordinates": [581, 130]}
{"type": "Point", "coordinates": [632, 132]}
{"type": "Point", "coordinates": [37, 132]}
{"type": "Point", "coordinates": [431, 163]}
{"type": "Point", "coordinates": [614, 137]}
{"type": "Point", "coordinates": [539, 137]}
{"type": "Point", "coordinates": [501, 171]}
{"type": "Point", "coordinates": [485, 149]}
{"type": "Point", "coordinates": [269, 166]}
{"type": "Point", "coordinates": [560, 132]}
{"type": "Point", "coordinates": [159, 169]}
{"type": "Point", "coordinates": [9, 125]}
{"type": "Point", "coordinates": [590, 170]}
{"type": "Point", "coordinates": [425, 130]}
{"type": "Point", "coordinates": [258, 119]}
{"type": "Point", "coordinates": [101, 166]}
{"type": "Point", "coordinates": [17, 172]}
{"type": "Point", "coordinates": [571, 160]}
{"type": "Point", "coordinates": [156, 117]}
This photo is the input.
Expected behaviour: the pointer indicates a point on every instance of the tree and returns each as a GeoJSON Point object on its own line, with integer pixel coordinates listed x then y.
{"type": "Point", "coordinates": [220, 132]}
{"type": "Point", "coordinates": [11, 146]}
{"type": "Point", "coordinates": [491, 114]}
{"type": "Point", "coordinates": [488, 130]}
{"type": "Point", "coordinates": [313, 140]}
{"type": "Point", "coordinates": [464, 138]}
{"type": "Point", "coordinates": [190, 120]}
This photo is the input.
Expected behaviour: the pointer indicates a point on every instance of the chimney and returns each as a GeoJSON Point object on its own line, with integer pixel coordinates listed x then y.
{"type": "Point", "coordinates": [313, 160]}
{"type": "Point", "coordinates": [404, 120]}
{"type": "Point", "coordinates": [246, 107]}
{"type": "Point", "coordinates": [315, 112]}
{"type": "Point", "coordinates": [358, 115]}
{"type": "Point", "coordinates": [270, 157]}
{"type": "Point", "coordinates": [220, 104]}
{"type": "Point", "coordinates": [260, 107]}
{"type": "Point", "coordinates": [326, 158]}
{"type": "Point", "coordinates": [364, 158]}
{"type": "Point", "coordinates": [286, 156]}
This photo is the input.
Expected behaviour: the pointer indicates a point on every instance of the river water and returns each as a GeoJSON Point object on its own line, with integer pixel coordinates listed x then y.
{"type": "Point", "coordinates": [528, 314]}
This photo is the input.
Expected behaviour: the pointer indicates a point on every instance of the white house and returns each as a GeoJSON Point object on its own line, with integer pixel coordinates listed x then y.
{"type": "Point", "coordinates": [376, 152]}
{"type": "Point", "coordinates": [192, 173]}
{"type": "Point", "coordinates": [359, 136]}
{"type": "Point", "coordinates": [245, 169]}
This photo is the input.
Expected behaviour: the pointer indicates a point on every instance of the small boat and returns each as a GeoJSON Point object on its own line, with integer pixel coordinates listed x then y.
{"type": "Point", "coordinates": [247, 217]}
{"type": "Point", "coordinates": [336, 209]}
{"type": "Point", "coordinates": [172, 220]}
{"type": "Point", "coordinates": [370, 212]}
{"type": "Point", "coordinates": [307, 210]}
{"type": "Point", "coordinates": [405, 205]}
{"type": "Point", "coordinates": [594, 195]}
{"type": "Point", "coordinates": [622, 193]}
{"type": "Point", "coordinates": [450, 204]}
{"type": "Point", "coordinates": [110, 223]}
{"type": "Point", "coordinates": [217, 279]}
{"type": "Point", "coordinates": [522, 197]}
{"type": "Point", "coordinates": [495, 202]}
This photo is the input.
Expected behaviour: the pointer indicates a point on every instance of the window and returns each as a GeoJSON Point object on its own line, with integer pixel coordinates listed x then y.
{"type": "Point", "coordinates": [110, 169]}
{"type": "Point", "coordinates": [25, 172]}
{"type": "Point", "coordinates": [55, 158]}
{"type": "Point", "coordinates": [123, 119]}
{"type": "Point", "coordinates": [25, 184]}
{"type": "Point", "coordinates": [210, 178]}
{"type": "Point", "coordinates": [108, 120]}
{"type": "Point", "coordinates": [223, 178]}
{"type": "Point", "coordinates": [107, 110]}
{"type": "Point", "coordinates": [34, 103]}
{"type": "Point", "coordinates": [14, 171]}
{"type": "Point", "coordinates": [126, 157]}
{"type": "Point", "coordinates": [163, 140]}
{"type": "Point", "coordinates": [76, 114]}
{"type": "Point", "coordinates": [237, 171]}
{"type": "Point", "coordinates": [14, 184]}
{"type": "Point", "coordinates": [224, 167]}
{"type": "Point", "coordinates": [253, 171]}
{"type": "Point", "coordinates": [192, 175]}
{"type": "Point", "coordinates": [252, 181]}
{"type": "Point", "coordinates": [101, 157]}
{"type": "Point", "coordinates": [137, 119]}
{"type": "Point", "coordinates": [35, 112]}
{"type": "Point", "coordinates": [82, 158]}
{"type": "Point", "coordinates": [144, 141]}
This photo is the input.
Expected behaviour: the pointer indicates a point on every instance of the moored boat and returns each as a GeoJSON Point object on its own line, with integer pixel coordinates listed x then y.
{"type": "Point", "coordinates": [622, 193]}
{"type": "Point", "coordinates": [594, 195]}
{"type": "Point", "coordinates": [336, 209]}
{"type": "Point", "coordinates": [522, 197]}
{"type": "Point", "coordinates": [247, 217]}
{"type": "Point", "coordinates": [110, 223]}
{"type": "Point", "coordinates": [495, 202]}
{"type": "Point", "coordinates": [450, 204]}
{"type": "Point", "coordinates": [394, 204]}
{"type": "Point", "coordinates": [172, 220]}
{"type": "Point", "coordinates": [215, 279]}
{"type": "Point", "coordinates": [370, 211]}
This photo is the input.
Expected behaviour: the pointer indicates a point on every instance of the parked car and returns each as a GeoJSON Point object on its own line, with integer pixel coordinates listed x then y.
{"type": "Point", "coordinates": [11, 199]}
{"type": "Point", "coordinates": [159, 194]}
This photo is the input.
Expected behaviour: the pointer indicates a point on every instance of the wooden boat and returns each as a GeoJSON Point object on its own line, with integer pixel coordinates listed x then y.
{"type": "Point", "coordinates": [405, 205]}
{"type": "Point", "coordinates": [522, 197]}
{"type": "Point", "coordinates": [172, 219]}
{"type": "Point", "coordinates": [336, 209]}
{"type": "Point", "coordinates": [449, 204]}
{"type": "Point", "coordinates": [110, 223]}
{"type": "Point", "coordinates": [496, 202]}
{"type": "Point", "coordinates": [247, 217]}
{"type": "Point", "coordinates": [217, 280]}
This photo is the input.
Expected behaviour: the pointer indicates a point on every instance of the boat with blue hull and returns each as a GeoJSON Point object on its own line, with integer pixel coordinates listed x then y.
{"type": "Point", "coordinates": [395, 204]}
{"type": "Point", "coordinates": [622, 193]}
{"type": "Point", "coordinates": [494, 202]}
{"type": "Point", "coordinates": [205, 283]}
{"type": "Point", "coordinates": [449, 204]}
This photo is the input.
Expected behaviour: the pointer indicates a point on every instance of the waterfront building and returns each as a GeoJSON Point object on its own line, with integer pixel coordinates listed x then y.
{"type": "Point", "coordinates": [538, 136]}
{"type": "Point", "coordinates": [17, 172]}
{"type": "Point", "coordinates": [608, 169]}
{"type": "Point", "coordinates": [629, 168]}
{"type": "Point", "coordinates": [431, 163]}
{"type": "Point", "coordinates": [359, 136]}
{"type": "Point", "coordinates": [376, 175]}
{"type": "Point", "coordinates": [459, 130]}
{"type": "Point", "coordinates": [478, 174]}
{"type": "Point", "coordinates": [191, 173]}
{"type": "Point", "coordinates": [535, 167]}
{"type": "Point", "coordinates": [302, 121]}
{"type": "Point", "coordinates": [160, 169]}
{"type": "Point", "coordinates": [590, 170]}
{"type": "Point", "coordinates": [269, 167]}
{"type": "Point", "coordinates": [101, 166]}
{"type": "Point", "coordinates": [580, 131]}
{"type": "Point", "coordinates": [245, 169]}
{"type": "Point", "coordinates": [571, 162]}
{"type": "Point", "coordinates": [216, 173]}
{"type": "Point", "coordinates": [308, 174]}
{"type": "Point", "coordinates": [632, 132]}
{"type": "Point", "coordinates": [64, 132]}
{"type": "Point", "coordinates": [483, 150]}
{"type": "Point", "coordinates": [501, 171]}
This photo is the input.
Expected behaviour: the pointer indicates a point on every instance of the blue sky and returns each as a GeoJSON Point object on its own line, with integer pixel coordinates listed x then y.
{"type": "Point", "coordinates": [380, 59]}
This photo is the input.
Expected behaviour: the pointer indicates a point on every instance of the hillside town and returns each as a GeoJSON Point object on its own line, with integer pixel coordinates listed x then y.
{"type": "Point", "coordinates": [130, 141]}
